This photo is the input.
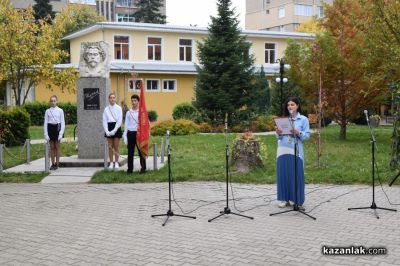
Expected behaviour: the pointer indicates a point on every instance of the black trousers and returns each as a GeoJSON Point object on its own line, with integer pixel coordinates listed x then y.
{"type": "Point", "coordinates": [131, 152]}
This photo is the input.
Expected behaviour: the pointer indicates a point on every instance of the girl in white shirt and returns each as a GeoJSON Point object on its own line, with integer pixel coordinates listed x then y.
{"type": "Point", "coordinates": [112, 120]}
{"type": "Point", "coordinates": [54, 126]}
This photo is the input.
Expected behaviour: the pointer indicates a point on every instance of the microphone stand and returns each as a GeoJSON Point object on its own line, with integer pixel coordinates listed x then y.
{"type": "Point", "coordinates": [394, 179]}
{"type": "Point", "coordinates": [373, 205]}
{"type": "Point", "coordinates": [227, 210]}
{"type": "Point", "coordinates": [296, 205]}
{"type": "Point", "coordinates": [170, 212]}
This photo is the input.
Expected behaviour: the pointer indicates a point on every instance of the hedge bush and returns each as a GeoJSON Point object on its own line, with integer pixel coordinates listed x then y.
{"type": "Point", "coordinates": [36, 111]}
{"type": "Point", "coordinates": [176, 127]}
{"type": "Point", "coordinates": [152, 115]}
{"type": "Point", "coordinates": [14, 126]}
{"type": "Point", "coordinates": [186, 111]}
{"type": "Point", "coordinates": [262, 123]}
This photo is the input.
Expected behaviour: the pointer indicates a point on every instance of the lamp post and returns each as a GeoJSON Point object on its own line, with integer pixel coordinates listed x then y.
{"type": "Point", "coordinates": [281, 80]}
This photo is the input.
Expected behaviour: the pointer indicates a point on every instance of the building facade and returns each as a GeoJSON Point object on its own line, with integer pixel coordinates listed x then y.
{"type": "Point", "coordinates": [282, 15]}
{"type": "Point", "coordinates": [23, 4]}
{"type": "Point", "coordinates": [112, 10]}
{"type": "Point", "coordinates": [163, 57]}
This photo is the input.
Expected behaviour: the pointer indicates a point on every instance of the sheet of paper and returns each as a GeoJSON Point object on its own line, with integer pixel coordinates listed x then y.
{"type": "Point", "coordinates": [283, 123]}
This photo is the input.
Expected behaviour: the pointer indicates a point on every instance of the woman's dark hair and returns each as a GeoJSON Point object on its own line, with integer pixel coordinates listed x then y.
{"type": "Point", "coordinates": [135, 96]}
{"type": "Point", "coordinates": [296, 101]}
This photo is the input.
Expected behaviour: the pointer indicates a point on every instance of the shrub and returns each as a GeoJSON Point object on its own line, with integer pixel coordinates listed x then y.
{"type": "Point", "coordinates": [240, 128]}
{"type": "Point", "coordinates": [152, 115]}
{"type": "Point", "coordinates": [14, 126]}
{"type": "Point", "coordinates": [70, 113]}
{"type": "Point", "coordinates": [186, 111]}
{"type": "Point", "coordinates": [176, 127]}
{"type": "Point", "coordinates": [262, 123]}
{"type": "Point", "coordinates": [326, 121]}
{"type": "Point", "coordinates": [36, 111]}
{"type": "Point", "coordinates": [205, 128]}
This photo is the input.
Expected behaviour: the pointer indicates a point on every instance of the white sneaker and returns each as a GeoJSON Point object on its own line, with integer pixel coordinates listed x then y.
{"type": "Point", "coordinates": [116, 166]}
{"type": "Point", "coordinates": [110, 166]}
{"type": "Point", "coordinates": [284, 204]}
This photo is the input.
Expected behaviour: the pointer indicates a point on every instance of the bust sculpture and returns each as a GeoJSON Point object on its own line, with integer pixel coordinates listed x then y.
{"type": "Point", "coordinates": [94, 61]}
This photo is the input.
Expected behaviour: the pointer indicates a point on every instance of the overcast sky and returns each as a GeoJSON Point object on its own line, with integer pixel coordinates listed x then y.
{"type": "Point", "coordinates": [186, 12]}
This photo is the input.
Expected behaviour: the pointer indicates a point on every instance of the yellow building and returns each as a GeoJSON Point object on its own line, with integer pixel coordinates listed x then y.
{"type": "Point", "coordinates": [164, 57]}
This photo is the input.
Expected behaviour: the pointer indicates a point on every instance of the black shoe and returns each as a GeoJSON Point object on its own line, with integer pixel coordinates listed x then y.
{"type": "Point", "coordinates": [56, 166]}
{"type": "Point", "coordinates": [53, 167]}
{"type": "Point", "coordinates": [142, 171]}
{"type": "Point", "coordinates": [128, 172]}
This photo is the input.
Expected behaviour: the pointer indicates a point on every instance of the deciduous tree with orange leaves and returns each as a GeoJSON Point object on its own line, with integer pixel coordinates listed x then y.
{"type": "Point", "coordinates": [339, 57]}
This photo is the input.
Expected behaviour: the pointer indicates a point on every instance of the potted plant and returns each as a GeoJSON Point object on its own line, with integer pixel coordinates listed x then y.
{"type": "Point", "coordinates": [374, 120]}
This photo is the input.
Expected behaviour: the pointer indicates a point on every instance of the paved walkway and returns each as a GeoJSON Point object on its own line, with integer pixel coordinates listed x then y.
{"type": "Point", "coordinates": [110, 225]}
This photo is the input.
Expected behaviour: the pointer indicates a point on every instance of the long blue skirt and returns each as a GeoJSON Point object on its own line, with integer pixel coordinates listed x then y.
{"type": "Point", "coordinates": [285, 179]}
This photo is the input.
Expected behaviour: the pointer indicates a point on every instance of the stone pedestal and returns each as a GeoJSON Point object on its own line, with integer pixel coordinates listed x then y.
{"type": "Point", "coordinates": [92, 96]}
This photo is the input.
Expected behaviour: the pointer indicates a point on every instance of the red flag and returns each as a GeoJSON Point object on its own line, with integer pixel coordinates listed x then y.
{"type": "Point", "coordinates": [143, 132]}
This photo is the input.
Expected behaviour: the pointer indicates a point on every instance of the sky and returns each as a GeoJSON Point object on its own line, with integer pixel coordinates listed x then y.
{"type": "Point", "coordinates": [198, 12]}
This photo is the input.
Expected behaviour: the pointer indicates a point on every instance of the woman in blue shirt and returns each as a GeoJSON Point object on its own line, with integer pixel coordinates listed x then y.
{"type": "Point", "coordinates": [286, 158]}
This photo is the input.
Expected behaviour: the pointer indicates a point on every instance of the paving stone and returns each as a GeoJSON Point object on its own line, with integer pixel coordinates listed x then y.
{"type": "Point", "coordinates": [86, 224]}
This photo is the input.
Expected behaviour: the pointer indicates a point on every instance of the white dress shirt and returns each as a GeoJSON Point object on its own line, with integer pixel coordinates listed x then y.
{"type": "Point", "coordinates": [112, 113]}
{"type": "Point", "coordinates": [54, 115]}
{"type": "Point", "coordinates": [131, 122]}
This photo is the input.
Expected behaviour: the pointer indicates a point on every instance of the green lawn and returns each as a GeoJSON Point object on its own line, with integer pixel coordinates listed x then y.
{"type": "Point", "coordinates": [22, 178]}
{"type": "Point", "coordinates": [202, 158]}
{"type": "Point", "coordinates": [36, 132]}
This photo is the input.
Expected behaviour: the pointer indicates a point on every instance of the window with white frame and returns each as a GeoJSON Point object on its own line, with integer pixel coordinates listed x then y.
{"type": "Point", "coordinates": [169, 85]}
{"type": "Point", "coordinates": [270, 51]}
{"type": "Point", "coordinates": [134, 85]}
{"type": "Point", "coordinates": [152, 84]}
{"type": "Point", "coordinates": [185, 50]}
{"type": "Point", "coordinates": [154, 48]}
{"type": "Point", "coordinates": [320, 11]}
{"type": "Point", "coordinates": [303, 10]}
{"type": "Point", "coordinates": [126, 3]}
{"type": "Point", "coordinates": [125, 17]}
{"type": "Point", "coordinates": [265, 2]}
{"type": "Point", "coordinates": [121, 47]}
{"type": "Point", "coordinates": [281, 12]}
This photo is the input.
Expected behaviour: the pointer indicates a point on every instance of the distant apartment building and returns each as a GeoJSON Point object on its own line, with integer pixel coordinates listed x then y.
{"type": "Point", "coordinates": [112, 10]}
{"type": "Point", "coordinates": [281, 15]}
{"type": "Point", "coordinates": [23, 4]}
{"type": "Point", "coordinates": [120, 10]}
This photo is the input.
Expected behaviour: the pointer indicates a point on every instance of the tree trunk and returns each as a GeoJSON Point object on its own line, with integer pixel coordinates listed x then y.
{"type": "Point", "coordinates": [342, 135]}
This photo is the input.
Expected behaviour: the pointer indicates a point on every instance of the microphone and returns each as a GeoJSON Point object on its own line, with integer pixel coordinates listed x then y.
{"type": "Point", "coordinates": [366, 115]}
{"type": "Point", "coordinates": [168, 146]}
{"type": "Point", "coordinates": [226, 121]}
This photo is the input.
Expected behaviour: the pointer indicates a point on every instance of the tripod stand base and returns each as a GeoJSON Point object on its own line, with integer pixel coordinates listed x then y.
{"type": "Point", "coordinates": [373, 207]}
{"type": "Point", "coordinates": [394, 179]}
{"type": "Point", "coordinates": [295, 209]}
{"type": "Point", "coordinates": [169, 214]}
{"type": "Point", "coordinates": [227, 211]}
